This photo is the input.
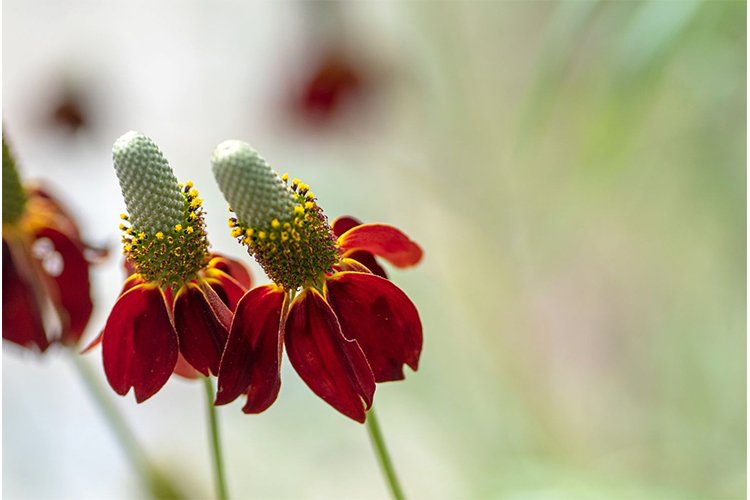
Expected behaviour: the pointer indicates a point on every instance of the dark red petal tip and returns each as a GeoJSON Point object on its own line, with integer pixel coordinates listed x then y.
{"type": "Point", "coordinates": [333, 367]}
{"type": "Point", "coordinates": [343, 224]}
{"type": "Point", "coordinates": [378, 315]}
{"type": "Point", "coordinates": [252, 357]}
{"type": "Point", "coordinates": [200, 327]}
{"type": "Point", "coordinates": [139, 345]}
{"type": "Point", "coordinates": [384, 241]}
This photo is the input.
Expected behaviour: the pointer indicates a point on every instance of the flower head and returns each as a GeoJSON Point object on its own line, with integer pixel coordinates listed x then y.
{"type": "Point", "coordinates": [346, 329]}
{"type": "Point", "coordinates": [179, 299]}
{"type": "Point", "coordinates": [46, 287]}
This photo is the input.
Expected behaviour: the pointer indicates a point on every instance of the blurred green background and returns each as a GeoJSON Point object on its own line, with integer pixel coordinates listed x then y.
{"type": "Point", "coordinates": [576, 172]}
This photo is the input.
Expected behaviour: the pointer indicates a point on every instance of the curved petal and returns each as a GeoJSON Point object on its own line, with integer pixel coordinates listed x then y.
{"type": "Point", "coordinates": [139, 345]}
{"type": "Point", "coordinates": [228, 288]}
{"type": "Point", "coordinates": [233, 268]}
{"type": "Point", "coordinates": [347, 264]}
{"type": "Point", "coordinates": [73, 299]}
{"type": "Point", "coordinates": [202, 326]}
{"type": "Point", "coordinates": [378, 315]}
{"type": "Point", "coordinates": [22, 318]}
{"type": "Point", "coordinates": [184, 369]}
{"type": "Point", "coordinates": [333, 367]}
{"type": "Point", "coordinates": [252, 357]}
{"type": "Point", "coordinates": [366, 259]}
{"type": "Point", "coordinates": [343, 224]}
{"type": "Point", "coordinates": [384, 241]}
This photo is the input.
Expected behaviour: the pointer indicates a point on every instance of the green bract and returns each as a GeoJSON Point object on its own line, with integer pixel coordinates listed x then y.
{"type": "Point", "coordinates": [14, 198]}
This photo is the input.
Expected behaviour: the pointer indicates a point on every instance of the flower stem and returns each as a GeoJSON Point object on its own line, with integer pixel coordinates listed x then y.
{"type": "Point", "coordinates": [221, 485]}
{"type": "Point", "coordinates": [373, 428]}
{"type": "Point", "coordinates": [158, 484]}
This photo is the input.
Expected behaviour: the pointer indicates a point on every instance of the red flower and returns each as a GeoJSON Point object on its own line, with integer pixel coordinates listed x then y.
{"type": "Point", "coordinates": [358, 330]}
{"type": "Point", "coordinates": [150, 326]}
{"type": "Point", "coordinates": [46, 287]}
{"type": "Point", "coordinates": [177, 305]}
{"type": "Point", "coordinates": [346, 330]}
{"type": "Point", "coordinates": [333, 79]}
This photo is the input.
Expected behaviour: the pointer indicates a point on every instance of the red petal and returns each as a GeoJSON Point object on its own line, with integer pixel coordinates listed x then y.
{"type": "Point", "coordinates": [139, 346]}
{"type": "Point", "coordinates": [252, 357]}
{"type": "Point", "coordinates": [74, 294]}
{"type": "Point", "coordinates": [347, 264]}
{"type": "Point", "coordinates": [184, 370]}
{"type": "Point", "coordinates": [94, 343]}
{"type": "Point", "coordinates": [229, 289]}
{"type": "Point", "coordinates": [333, 367]}
{"type": "Point", "coordinates": [343, 224]}
{"type": "Point", "coordinates": [384, 241]}
{"type": "Point", "coordinates": [233, 268]}
{"type": "Point", "coordinates": [130, 282]}
{"type": "Point", "coordinates": [378, 315]}
{"type": "Point", "coordinates": [22, 319]}
{"type": "Point", "coordinates": [200, 328]}
{"type": "Point", "coordinates": [368, 260]}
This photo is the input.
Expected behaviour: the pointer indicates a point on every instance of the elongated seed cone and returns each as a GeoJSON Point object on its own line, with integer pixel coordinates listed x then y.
{"type": "Point", "coordinates": [254, 191]}
{"type": "Point", "coordinates": [150, 189]}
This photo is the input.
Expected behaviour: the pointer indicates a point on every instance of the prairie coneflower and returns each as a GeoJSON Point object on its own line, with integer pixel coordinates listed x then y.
{"type": "Point", "coordinates": [179, 299]}
{"type": "Point", "coordinates": [46, 286]}
{"type": "Point", "coordinates": [344, 327]}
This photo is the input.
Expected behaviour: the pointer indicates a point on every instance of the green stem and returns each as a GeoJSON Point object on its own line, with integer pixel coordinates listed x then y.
{"type": "Point", "coordinates": [373, 428]}
{"type": "Point", "coordinates": [158, 485]}
{"type": "Point", "coordinates": [221, 485]}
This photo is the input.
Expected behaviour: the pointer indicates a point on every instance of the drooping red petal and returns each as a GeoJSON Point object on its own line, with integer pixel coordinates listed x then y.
{"type": "Point", "coordinates": [233, 268]}
{"type": "Point", "coordinates": [383, 241]}
{"type": "Point", "coordinates": [22, 318]}
{"type": "Point", "coordinates": [131, 281]}
{"type": "Point", "coordinates": [73, 299]}
{"type": "Point", "coordinates": [202, 327]}
{"type": "Point", "coordinates": [228, 288]}
{"type": "Point", "coordinates": [184, 370]}
{"type": "Point", "coordinates": [368, 260]}
{"type": "Point", "coordinates": [378, 315]}
{"type": "Point", "coordinates": [139, 345]}
{"type": "Point", "coordinates": [343, 224]}
{"type": "Point", "coordinates": [252, 357]}
{"type": "Point", "coordinates": [333, 367]}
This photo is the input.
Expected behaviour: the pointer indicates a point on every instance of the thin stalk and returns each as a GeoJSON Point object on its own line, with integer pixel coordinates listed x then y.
{"type": "Point", "coordinates": [158, 484]}
{"type": "Point", "coordinates": [386, 465]}
{"type": "Point", "coordinates": [219, 475]}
